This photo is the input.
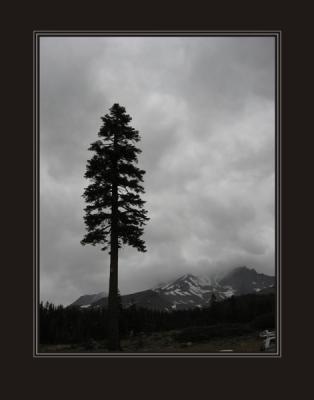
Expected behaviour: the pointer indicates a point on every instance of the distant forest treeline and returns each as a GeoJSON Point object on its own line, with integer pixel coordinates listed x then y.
{"type": "Point", "coordinates": [58, 324]}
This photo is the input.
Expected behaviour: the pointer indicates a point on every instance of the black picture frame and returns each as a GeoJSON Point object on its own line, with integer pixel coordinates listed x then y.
{"type": "Point", "coordinates": [26, 375]}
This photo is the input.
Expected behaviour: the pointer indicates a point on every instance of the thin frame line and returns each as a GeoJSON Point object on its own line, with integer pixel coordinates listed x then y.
{"type": "Point", "coordinates": [278, 87]}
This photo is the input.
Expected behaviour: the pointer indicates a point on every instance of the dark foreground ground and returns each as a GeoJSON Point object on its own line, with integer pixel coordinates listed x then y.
{"type": "Point", "coordinates": [165, 342]}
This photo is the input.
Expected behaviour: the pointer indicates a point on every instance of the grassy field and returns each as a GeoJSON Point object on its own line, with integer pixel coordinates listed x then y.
{"type": "Point", "coordinates": [165, 343]}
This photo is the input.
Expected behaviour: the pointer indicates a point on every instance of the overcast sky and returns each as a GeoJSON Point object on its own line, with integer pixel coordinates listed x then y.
{"type": "Point", "coordinates": [204, 107]}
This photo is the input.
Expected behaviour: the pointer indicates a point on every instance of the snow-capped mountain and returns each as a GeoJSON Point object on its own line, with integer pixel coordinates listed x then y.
{"type": "Point", "coordinates": [190, 291]}
{"type": "Point", "coordinates": [193, 291]}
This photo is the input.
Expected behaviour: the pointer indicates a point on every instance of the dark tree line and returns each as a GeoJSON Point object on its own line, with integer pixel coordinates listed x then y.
{"type": "Point", "coordinates": [75, 325]}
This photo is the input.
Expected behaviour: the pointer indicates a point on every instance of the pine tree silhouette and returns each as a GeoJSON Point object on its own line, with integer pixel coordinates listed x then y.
{"type": "Point", "coordinates": [115, 213]}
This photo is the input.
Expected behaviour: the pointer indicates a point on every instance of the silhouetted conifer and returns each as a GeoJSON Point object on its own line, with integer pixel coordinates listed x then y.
{"type": "Point", "coordinates": [114, 215]}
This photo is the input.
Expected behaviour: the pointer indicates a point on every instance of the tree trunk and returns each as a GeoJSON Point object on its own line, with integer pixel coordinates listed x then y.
{"type": "Point", "coordinates": [113, 304]}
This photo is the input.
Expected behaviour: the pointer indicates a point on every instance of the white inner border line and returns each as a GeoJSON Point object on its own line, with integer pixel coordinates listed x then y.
{"type": "Point", "coordinates": [278, 86]}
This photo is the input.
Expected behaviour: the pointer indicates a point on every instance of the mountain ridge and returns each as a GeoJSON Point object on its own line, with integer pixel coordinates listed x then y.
{"type": "Point", "coordinates": [190, 291]}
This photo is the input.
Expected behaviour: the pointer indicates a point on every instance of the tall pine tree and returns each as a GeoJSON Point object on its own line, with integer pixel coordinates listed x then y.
{"type": "Point", "coordinates": [115, 213]}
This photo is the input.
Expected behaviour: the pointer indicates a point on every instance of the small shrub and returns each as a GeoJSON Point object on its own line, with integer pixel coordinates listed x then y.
{"type": "Point", "coordinates": [90, 344]}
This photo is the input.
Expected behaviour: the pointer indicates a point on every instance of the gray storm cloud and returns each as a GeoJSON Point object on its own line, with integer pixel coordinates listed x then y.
{"type": "Point", "coordinates": [204, 107]}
